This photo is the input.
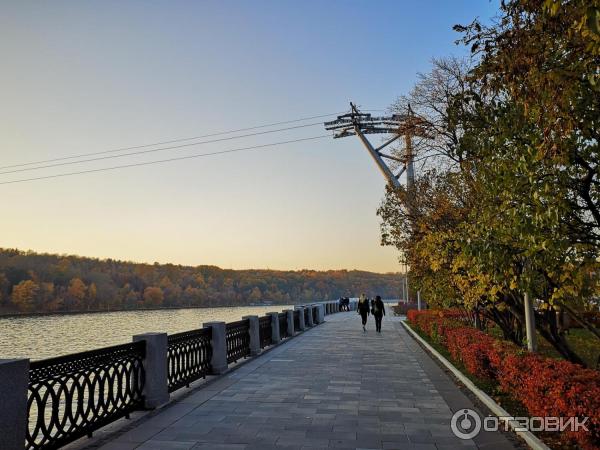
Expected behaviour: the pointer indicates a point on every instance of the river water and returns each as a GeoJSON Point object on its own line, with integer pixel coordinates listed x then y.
{"type": "Point", "coordinates": [39, 337]}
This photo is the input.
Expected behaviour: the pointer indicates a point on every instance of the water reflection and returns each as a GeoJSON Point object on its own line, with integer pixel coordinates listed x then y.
{"type": "Point", "coordinates": [39, 337]}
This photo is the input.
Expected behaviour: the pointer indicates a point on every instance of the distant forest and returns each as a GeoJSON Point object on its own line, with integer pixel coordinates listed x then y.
{"type": "Point", "coordinates": [33, 282]}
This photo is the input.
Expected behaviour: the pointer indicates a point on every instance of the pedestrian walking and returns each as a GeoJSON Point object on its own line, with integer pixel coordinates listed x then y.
{"type": "Point", "coordinates": [363, 310]}
{"type": "Point", "coordinates": [378, 312]}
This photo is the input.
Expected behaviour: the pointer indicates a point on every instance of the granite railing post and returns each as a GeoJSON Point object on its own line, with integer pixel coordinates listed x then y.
{"type": "Point", "coordinates": [14, 380]}
{"type": "Point", "coordinates": [254, 335]}
{"type": "Point", "coordinates": [275, 335]}
{"type": "Point", "coordinates": [321, 313]}
{"type": "Point", "coordinates": [290, 322]}
{"type": "Point", "coordinates": [156, 385]}
{"type": "Point", "coordinates": [218, 361]}
{"type": "Point", "coordinates": [302, 325]}
{"type": "Point", "coordinates": [310, 316]}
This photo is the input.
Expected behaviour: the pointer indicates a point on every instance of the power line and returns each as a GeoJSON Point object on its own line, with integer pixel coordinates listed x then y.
{"type": "Point", "coordinates": [63, 158]}
{"type": "Point", "coordinates": [141, 152]}
{"type": "Point", "coordinates": [180, 158]}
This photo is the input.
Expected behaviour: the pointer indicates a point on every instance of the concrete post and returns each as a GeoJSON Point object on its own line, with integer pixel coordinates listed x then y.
{"type": "Point", "coordinates": [219, 347]}
{"type": "Point", "coordinates": [14, 379]}
{"type": "Point", "coordinates": [254, 335]}
{"type": "Point", "coordinates": [310, 316]}
{"type": "Point", "coordinates": [530, 324]}
{"type": "Point", "coordinates": [156, 386]}
{"type": "Point", "coordinates": [302, 324]}
{"type": "Point", "coordinates": [321, 313]}
{"type": "Point", "coordinates": [275, 336]}
{"type": "Point", "coordinates": [290, 322]}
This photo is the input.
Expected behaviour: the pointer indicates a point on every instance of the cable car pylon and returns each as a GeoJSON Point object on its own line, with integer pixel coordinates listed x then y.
{"type": "Point", "coordinates": [356, 123]}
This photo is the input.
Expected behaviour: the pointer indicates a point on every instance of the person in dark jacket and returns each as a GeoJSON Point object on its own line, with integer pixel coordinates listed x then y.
{"type": "Point", "coordinates": [363, 310]}
{"type": "Point", "coordinates": [378, 312]}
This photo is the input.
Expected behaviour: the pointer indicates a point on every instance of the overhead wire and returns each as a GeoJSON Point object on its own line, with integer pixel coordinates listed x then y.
{"type": "Point", "coordinates": [160, 149]}
{"type": "Point", "coordinates": [172, 141]}
{"type": "Point", "coordinates": [180, 158]}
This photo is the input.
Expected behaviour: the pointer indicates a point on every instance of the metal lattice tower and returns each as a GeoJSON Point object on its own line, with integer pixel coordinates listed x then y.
{"type": "Point", "coordinates": [407, 125]}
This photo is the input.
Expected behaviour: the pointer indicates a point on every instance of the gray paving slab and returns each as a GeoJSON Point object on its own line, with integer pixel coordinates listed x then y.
{"type": "Point", "coordinates": [333, 386]}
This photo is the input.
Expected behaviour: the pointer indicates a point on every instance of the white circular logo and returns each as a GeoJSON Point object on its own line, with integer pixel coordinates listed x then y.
{"type": "Point", "coordinates": [465, 424]}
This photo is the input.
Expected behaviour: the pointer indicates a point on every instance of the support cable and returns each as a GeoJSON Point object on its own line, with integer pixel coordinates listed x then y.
{"type": "Point", "coordinates": [180, 158]}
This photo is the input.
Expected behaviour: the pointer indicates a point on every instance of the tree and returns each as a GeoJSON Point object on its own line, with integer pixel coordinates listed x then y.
{"type": "Point", "coordinates": [256, 295]}
{"type": "Point", "coordinates": [153, 296]}
{"type": "Point", "coordinates": [92, 295]}
{"type": "Point", "coordinates": [4, 288]}
{"type": "Point", "coordinates": [76, 294]}
{"type": "Point", "coordinates": [509, 202]}
{"type": "Point", "coordinates": [542, 157]}
{"type": "Point", "coordinates": [24, 295]}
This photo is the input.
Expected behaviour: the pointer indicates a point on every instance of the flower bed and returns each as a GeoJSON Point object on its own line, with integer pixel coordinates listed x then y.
{"type": "Point", "coordinates": [545, 386]}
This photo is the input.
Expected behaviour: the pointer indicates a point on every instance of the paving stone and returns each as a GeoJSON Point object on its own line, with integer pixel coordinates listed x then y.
{"type": "Point", "coordinates": [333, 386]}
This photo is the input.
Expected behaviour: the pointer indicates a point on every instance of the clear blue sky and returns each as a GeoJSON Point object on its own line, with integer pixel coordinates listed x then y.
{"type": "Point", "coordinates": [89, 76]}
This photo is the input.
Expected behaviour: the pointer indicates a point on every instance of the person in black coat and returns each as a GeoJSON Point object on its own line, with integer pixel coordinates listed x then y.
{"type": "Point", "coordinates": [378, 312]}
{"type": "Point", "coordinates": [363, 310]}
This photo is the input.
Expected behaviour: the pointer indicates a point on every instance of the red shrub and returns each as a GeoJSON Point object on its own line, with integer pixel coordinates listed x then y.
{"type": "Point", "coordinates": [476, 350]}
{"type": "Point", "coordinates": [555, 388]}
{"type": "Point", "coordinates": [545, 386]}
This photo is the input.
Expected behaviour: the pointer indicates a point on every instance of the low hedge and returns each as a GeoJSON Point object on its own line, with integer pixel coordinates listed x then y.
{"type": "Point", "coordinates": [546, 387]}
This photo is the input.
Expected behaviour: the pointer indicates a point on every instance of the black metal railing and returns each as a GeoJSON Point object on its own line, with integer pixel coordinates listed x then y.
{"type": "Point", "coordinates": [283, 328]}
{"type": "Point", "coordinates": [314, 314]}
{"type": "Point", "coordinates": [237, 337]}
{"type": "Point", "coordinates": [306, 315]}
{"type": "Point", "coordinates": [296, 320]}
{"type": "Point", "coordinates": [72, 396]}
{"type": "Point", "coordinates": [265, 331]}
{"type": "Point", "coordinates": [188, 357]}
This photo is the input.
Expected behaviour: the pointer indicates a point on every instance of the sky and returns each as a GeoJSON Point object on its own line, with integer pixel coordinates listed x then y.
{"type": "Point", "coordinates": [83, 77]}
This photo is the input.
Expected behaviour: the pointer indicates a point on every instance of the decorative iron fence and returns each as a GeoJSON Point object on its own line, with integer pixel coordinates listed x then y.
{"type": "Point", "coordinates": [283, 328]}
{"type": "Point", "coordinates": [188, 357]}
{"type": "Point", "coordinates": [265, 331]}
{"type": "Point", "coordinates": [237, 337]}
{"type": "Point", "coordinates": [72, 396]}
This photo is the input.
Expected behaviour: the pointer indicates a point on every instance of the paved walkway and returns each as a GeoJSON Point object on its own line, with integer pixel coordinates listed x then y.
{"type": "Point", "coordinates": [331, 387]}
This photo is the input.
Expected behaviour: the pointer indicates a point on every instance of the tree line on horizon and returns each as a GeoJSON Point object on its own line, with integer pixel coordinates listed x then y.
{"type": "Point", "coordinates": [37, 283]}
